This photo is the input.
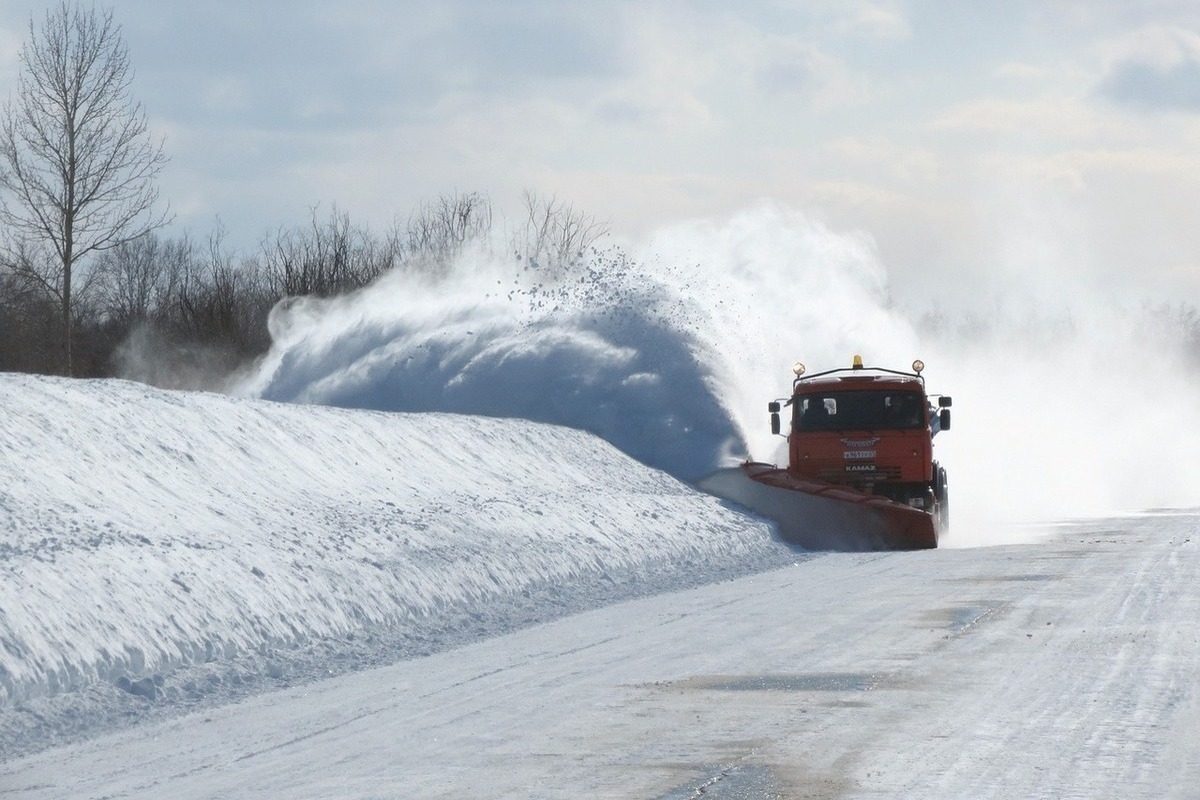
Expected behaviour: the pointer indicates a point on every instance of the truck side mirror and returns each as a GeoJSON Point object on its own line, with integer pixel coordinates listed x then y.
{"type": "Point", "coordinates": [944, 419]}
{"type": "Point", "coordinates": [775, 423]}
{"type": "Point", "coordinates": [944, 402]}
{"type": "Point", "coordinates": [773, 406]}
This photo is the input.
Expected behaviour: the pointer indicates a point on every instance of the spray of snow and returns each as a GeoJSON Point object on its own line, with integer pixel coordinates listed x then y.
{"type": "Point", "coordinates": [1080, 415]}
{"type": "Point", "coordinates": [149, 356]}
{"type": "Point", "coordinates": [671, 349]}
{"type": "Point", "coordinates": [669, 354]}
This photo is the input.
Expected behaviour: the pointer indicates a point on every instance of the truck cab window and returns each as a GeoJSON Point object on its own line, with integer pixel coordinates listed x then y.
{"type": "Point", "coordinates": [860, 410]}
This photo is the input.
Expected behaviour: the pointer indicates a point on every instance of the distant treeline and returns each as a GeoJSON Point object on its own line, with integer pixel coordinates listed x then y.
{"type": "Point", "coordinates": [204, 308]}
{"type": "Point", "coordinates": [201, 310]}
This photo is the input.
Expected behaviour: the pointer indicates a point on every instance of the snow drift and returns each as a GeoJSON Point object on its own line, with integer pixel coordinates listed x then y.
{"type": "Point", "coordinates": [143, 530]}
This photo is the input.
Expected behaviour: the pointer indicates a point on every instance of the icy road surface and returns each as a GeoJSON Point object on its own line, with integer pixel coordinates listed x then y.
{"type": "Point", "coordinates": [1066, 668]}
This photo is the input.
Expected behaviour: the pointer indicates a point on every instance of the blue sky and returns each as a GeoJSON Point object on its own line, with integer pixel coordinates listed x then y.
{"type": "Point", "coordinates": [968, 139]}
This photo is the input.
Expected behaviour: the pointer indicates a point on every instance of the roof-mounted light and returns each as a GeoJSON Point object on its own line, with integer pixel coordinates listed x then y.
{"type": "Point", "coordinates": [858, 362]}
{"type": "Point", "coordinates": [918, 365]}
{"type": "Point", "coordinates": [798, 368]}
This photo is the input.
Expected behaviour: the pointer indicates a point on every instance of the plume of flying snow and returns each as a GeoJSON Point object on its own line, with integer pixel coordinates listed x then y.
{"type": "Point", "coordinates": [670, 354]}
{"type": "Point", "coordinates": [670, 351]}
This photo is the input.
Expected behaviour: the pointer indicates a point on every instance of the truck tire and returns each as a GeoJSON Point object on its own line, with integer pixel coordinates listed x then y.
{"type": "Point", "coordinates": [941, 494]}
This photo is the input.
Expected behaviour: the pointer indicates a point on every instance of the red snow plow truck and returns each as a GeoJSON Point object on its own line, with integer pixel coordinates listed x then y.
{"type": "Point", "coordinates": [861, 473]}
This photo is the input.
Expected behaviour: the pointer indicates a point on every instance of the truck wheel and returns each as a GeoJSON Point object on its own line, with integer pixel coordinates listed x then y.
{"type": "Point", "coordinates": [941, 492]}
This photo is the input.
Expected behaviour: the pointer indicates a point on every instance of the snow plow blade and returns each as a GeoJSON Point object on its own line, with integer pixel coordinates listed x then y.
{"type": "Point", "coordinates": [823, 516]}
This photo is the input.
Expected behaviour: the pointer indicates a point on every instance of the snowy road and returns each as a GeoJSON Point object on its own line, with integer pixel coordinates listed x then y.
{"type": "Point", "coordinates": [1066, 668]}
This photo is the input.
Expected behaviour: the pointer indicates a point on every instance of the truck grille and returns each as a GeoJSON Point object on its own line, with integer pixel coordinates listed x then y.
{"type": "Point", "coordinates": [860, 476]}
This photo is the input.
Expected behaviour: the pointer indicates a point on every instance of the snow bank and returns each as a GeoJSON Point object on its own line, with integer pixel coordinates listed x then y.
{"type": "Point", "coordinates": [142, 529]}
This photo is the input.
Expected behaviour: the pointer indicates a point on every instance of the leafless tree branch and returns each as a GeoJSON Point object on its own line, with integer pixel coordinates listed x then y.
{"type": "Point", "coordinates": [76, 160]}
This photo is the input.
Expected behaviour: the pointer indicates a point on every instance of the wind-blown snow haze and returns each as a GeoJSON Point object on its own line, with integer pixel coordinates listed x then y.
{"type": "Point", "coordinates": [1084, 411]}
{"type": "Point", "coordinates": [671, 349]}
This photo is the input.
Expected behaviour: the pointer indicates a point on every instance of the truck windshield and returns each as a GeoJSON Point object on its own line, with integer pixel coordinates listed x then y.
{"type": "Point", "coordinates": [844, 411]}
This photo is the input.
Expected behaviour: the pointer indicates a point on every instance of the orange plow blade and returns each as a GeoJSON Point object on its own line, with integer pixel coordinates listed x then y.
{"type": "Point", "coordinates": [823, 516]}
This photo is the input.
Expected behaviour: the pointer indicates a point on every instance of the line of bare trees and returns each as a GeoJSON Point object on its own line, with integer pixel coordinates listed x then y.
{"type": "Point", "coordinates": [203, 307]}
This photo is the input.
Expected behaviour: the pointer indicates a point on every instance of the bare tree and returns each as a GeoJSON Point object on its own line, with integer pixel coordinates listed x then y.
{"type": "Point", "coordinates": [74, 150]}
{"type": "Point", "coordinates": [321, 260]}
{"type": "Point", "coordinates": [555, 235]}
{"type": "Point", "coordinates": [439, 231]}
{"type": "Point", "coordinates": [135, 280]}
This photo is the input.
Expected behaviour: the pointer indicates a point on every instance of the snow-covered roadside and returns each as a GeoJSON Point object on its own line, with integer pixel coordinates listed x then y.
{"type": "Point", "coordinates": [143, 532]}
{"type": "Point", "coordinates": [1057, 669]}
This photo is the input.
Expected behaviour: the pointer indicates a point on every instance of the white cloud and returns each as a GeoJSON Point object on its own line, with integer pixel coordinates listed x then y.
{"type": "Point", "coordinates": [1016, 70]}
{"type": "Point", "coordinates": [787, 66]}
{"type": "Point", "coordinates": [671, 64]}
{"type": "Point", "coordinates": [907, 163]}
{"type": "Point", "coordinates": [859, 195]}
{"type": "Point", "coordinates": [1160, 46]}
{"type": "Point", "coordinates": [1047, 119]}
{"type": "Point", "coordinates": [1081, 172]}
{"type": "Point", "coordinates": [1155, 68]}
{"type": "Point", "coordinates": [871, 19]}
{"type": "Point", "coordinates": [876, 21]}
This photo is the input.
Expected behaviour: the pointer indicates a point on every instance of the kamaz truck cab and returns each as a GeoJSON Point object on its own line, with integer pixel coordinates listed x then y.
{"type": "Point", "coordinates": [861, 473]}
{"type": "Point", "coordinates": [868, 429]}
